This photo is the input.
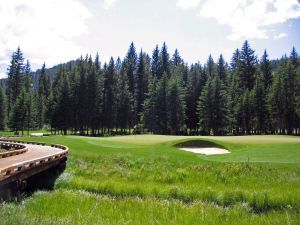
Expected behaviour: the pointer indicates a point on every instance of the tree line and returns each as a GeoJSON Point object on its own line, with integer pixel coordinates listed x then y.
{"type": "Point", "coordinates": [158, 94]}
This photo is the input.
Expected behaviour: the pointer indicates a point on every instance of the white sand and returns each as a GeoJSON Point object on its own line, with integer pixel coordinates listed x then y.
{"type": "Point", "coordinates": [207, 151]}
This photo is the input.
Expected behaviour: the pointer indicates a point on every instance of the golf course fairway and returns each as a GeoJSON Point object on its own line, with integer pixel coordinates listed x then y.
{"type": "Point", "coordinates": [129, 179]}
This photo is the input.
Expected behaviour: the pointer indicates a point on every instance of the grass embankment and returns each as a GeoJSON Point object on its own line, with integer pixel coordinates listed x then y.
{"type": "Point", "coordinates": [145, 179]}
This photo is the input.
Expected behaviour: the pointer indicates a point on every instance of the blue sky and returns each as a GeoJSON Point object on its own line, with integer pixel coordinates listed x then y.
{"type": "Point", "coordinates": [60, 30]}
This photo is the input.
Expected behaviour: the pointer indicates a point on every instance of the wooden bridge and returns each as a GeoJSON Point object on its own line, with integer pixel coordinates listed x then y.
{"type": "Point", "coordinates": [25, 163]}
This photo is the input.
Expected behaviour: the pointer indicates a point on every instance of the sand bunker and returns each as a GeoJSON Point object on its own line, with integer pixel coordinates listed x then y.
{"type": "Point", "coordinates": [207, 151]}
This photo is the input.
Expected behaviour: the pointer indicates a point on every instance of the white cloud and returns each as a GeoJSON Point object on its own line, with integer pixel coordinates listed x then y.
{"type": "Point", "coordinates": [108, 4]}
{"type": "Point", "coordinates": [45, 30]}
{"type": "Point", "coordinates": [3, 75]}
{"type": "Point", "coordinates": [249, 19]}
{"type": "Point", "coordinates": [187, 4]}
{"type": "Point", "coordinates": [279, 36]}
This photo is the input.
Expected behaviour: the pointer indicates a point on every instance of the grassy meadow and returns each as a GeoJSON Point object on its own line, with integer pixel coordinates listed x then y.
{"type": "Point", "coordinates": [146, 179]}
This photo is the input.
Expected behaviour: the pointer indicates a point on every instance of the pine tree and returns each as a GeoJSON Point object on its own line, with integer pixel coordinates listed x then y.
{"type": "Point", "coordinates": [92, 93]}
{"type": "Point", "coordinates": [266, 70]}
{"type": "Point", "coordinates": [82, 97]}
{"type": "Point", "coordinates": [18, 116]}
{"type": "Point", "coordinates": [2, 110]}
{"type": "Point", "coordinates": [176, 59]}
{"type": "Point", "coordinates": [28, 81]}
{"type": "Point", "coordinates": [109, 97]}
{"type": "Point", "coordinates": [193, 91]}
{"type": "Point", "coordinates": [155, 63]}
{"type": "Point", "coordinates": [233, 98]}
{"type": "Point", "coordinates": [131, 65]}
{"type": "Point", "coordinates": [140, 86]}
{"type": "Point", "coordinates": [43, 93]}
{"type": "Point", "coordinates": [164, 61]}
{"type": "Point", "coordinates": [297, 98]}
{"type": "Point", "coordinates": [204, 108]}
{"type": "Point", "coordinates": [247, 67]}
{"type": "Point", "coordinates": [294, 58]}
{"type": "Point", "coordinates": [15, 79]}
{"type": "Point", "coordinates": [123, 101]}
{"type": "Point", "coordinates": [97, 63]}
{"type": "Point", "coordinates": [162, 114]}
{"type": "Point", "coordinates": [245, 111]}
{"type": "Point", "coordinates": [211, 67]}
{"type": "Point", "coordinates": [176, 107]}
{"type": "Point", "coordinates": [150, 112]}
{"type": "Point", "coordinates": [64, 105]}
{"type": "Point", "coordinates": [276, 101]}
{"type": "Point", "coordinates": [222, 69]}
{"type": "Point", "coordinates": [235, 59]}
{"type": "Point", "coordinates": [261, 117]}
{"type": "Point", "coordinates": [212, 109]}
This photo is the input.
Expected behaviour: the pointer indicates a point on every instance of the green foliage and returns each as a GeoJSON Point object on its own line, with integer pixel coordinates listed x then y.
{"type": "Point", "coordinates": [159, 95]}
{"type": "Point", "coordinates": [2, 109]}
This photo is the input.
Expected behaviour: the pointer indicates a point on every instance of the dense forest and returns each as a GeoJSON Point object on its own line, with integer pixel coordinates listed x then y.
{"type": "Point", "coordinates": [158, 94]}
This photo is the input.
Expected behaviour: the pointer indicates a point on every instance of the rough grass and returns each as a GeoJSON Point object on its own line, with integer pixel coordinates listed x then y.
{"type": "Point", "coordinates": [70, 207]}
{"type": "Point", "coordinates": [146, 180]}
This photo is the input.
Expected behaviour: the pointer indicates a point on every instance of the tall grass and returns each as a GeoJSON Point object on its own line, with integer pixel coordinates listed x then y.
{"type": "Point", "coordinates": [72, 207]}
{"type": "Point", "coordinates": [146, 180]}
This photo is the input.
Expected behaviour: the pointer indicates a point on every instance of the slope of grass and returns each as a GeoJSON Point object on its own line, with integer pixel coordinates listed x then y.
{"type": "Point", "coordinates": [126, 180]}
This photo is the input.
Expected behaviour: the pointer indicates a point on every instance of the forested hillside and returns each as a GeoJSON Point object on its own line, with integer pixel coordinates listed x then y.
{"type": "Point", "coordinates": [158, 93]}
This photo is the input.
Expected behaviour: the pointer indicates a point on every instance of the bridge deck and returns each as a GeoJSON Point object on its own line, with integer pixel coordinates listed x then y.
{"type": "Point", "coordinates": [34, 152]}
{"type": "Point", "coordinates": [36, 155]}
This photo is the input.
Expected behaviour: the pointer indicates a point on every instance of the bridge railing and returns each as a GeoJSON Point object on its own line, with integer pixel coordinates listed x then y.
{"type": "Point", "coordinates": [20, 149]}
{"type": "Point", "coordinates": [25, 142]}
{"type": "Point", "coordinates": [26, 165]}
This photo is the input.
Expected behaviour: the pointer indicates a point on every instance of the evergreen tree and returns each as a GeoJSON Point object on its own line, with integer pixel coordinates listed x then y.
{"type": "Point", "coordinates": [212, 107]}
{"type": "Point", "coordinates": [247, 67]}
{"type": "Point", "coordinates": [164, 61]}
{"type": "Point", "coordinates": [164, 95]}
{"type": "Point", "coordinates": [176, 107]}
{"type": "Point", "coordinates": [294, 57]}
{"type": "Point", "coordinates": [222, 69]}
{"type": "Point", "coordinates": [276, 101]}
{"type": "Point", "coordinates": [97, 63]}
{"type": "Point", "coordinates": [131, 65]}
{"type": "Point", "coordinates": [92, 93]}
{"type": "Point", "coordinates": [82, 97]}
{"type": "Point", "coordinates": [43, 93]}
{"type": "Point", "coordinates": [15, 79]}
{"type": "Point", "coordinates": [123, 101]}
{"type": "Point", "coordinates": [155, 63]}
{"type": "Point", "coordinates": [261, 118]}
{"type": "Point", "coordinates": [150, 112]}
{"type": "Point", "coordinates": [233, 97]}
{"type": "Point", "coordinates": [176, 59]}
{"type": "Point", "coordinates": [28, 81]}
{"type": "Point", "coordinates": [266, 70]}
{"type": "Point", "coordinates": [211, 67]}
{"type": "Point", "coordinates": [193, 91]}
{"type": "Point", "coordinates": [109, 97]}
{"type": "Point", "coordinates": [204, 108]}
{"type": "Point", "coordinates": [162, 113]}
{"type": "Point", "coordinates": [235, 59]}
{"type": "Point", "coordinates": [18, 116]}
{"type": "Point", "coordinates": [2, 110]}
{"type": "Point", "coordinates": [140, 87]}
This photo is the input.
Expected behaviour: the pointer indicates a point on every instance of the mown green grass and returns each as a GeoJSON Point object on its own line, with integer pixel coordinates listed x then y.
{"type": "Point", "coordinates": [146, 180]}
{"type": "Point", "coordinates": [25, 132]}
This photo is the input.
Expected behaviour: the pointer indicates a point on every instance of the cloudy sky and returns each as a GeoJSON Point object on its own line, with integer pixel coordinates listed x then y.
{"type": "Point", "coordinates": [56, 31]}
